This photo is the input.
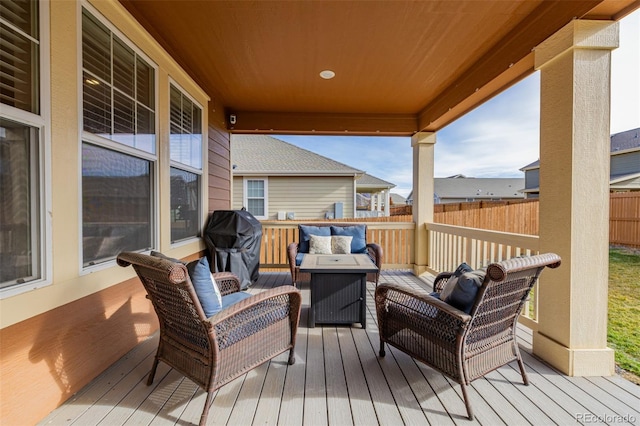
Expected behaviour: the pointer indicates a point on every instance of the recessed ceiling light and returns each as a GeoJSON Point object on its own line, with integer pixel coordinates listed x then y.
{"type": "Point", "coordinates": [327, 74]}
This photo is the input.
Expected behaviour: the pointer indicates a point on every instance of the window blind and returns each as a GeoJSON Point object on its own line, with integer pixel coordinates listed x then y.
{"type": "Point", "coordinates": [19, 53]}
{"type": "Point", "coordinates": [118, 88]}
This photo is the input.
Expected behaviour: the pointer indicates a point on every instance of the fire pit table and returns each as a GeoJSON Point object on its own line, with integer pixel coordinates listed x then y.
{"type": "Point", "coordinates": [338, 287]}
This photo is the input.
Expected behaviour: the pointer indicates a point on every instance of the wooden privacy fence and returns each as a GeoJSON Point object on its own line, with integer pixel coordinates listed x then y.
{"type": "Point", "coordinates": [522, 217]}
{"type": "Point", "coordinates": [396, 233]}
{"type": "Point", "coordinates": [624, 219]}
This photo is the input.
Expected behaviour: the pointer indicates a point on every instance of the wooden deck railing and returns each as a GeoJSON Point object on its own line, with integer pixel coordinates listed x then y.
{"type": "Point", "coordinates": [451, 245]}
{"type": "Point", "coordinates": [448, 247]}
{"type": "Point", "coordinates": [396, 239]}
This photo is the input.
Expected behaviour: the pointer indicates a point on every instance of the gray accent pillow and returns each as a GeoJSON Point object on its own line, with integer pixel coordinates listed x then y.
{"type": "Point", "coordinates": [463, 295]}
{"type": "Point", "coordinates": [453, 280]}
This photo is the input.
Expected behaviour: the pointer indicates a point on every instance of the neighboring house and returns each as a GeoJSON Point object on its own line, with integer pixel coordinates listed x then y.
{"type": "Point", "coordinates": [274, 179]}
{"type": "Point", "coordinates": [378, 192]}
{"type": "Point", "coordinates": [460, 189]}
{"type": "Point", "coordinates": [624, 174]}
{"type": "Point", "coordinates": [398, 200]}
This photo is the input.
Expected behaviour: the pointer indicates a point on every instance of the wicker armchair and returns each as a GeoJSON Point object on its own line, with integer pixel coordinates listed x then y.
{"type": "Point", "coordinates": [214, 351]}
{"type": "Point", "coordinates": [463, 347]}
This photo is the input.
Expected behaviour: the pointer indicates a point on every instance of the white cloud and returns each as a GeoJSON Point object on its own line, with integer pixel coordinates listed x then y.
{"type": "Point", "coordinates": [494, 140]}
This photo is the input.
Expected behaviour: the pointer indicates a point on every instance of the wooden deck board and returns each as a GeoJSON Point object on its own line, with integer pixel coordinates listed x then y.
{"type": "Point", "coordinates": [339, 379]}
{"type": "Point", "coordinates": [337, 394]}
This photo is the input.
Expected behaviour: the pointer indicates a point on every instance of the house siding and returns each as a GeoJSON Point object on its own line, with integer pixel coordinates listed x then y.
{"type": "Point", "coordinates": [309, 198]}
{"type": "Point", "coordinates": [625, 163]}
{"type": "Point", "coordinates": [57, 338]}
{"type": "Point", "coordinates": [627, 185]}
{"type": "Point", "coordinates": [219, 162]}
{"type": "Point", "coordinates": [532, 179]}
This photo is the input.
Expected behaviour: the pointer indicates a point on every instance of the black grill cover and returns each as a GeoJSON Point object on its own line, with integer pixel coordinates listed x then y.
{"type": "Point", "coordinates": [233, 238]}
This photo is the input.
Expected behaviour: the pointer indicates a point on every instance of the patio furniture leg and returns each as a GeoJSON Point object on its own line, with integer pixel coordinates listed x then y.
{"type": "Point", "coordinates": [525, 379]}
{"type": "Point", "coordinates": [382, 352]}
{"type": "Point", "coordinates": [292, 357]}
{"type": "Point", "coordinates": [152, 373]}
{"type": "Point", "coordinates": [466, 401]}
{"type": "Point", "coordinates": [205, 411]}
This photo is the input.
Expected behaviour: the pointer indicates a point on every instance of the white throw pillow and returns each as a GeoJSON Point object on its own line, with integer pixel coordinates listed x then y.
{"type": "Point", "coordinates": [319, 244]}
{"type": "Point", "coordinates": [341, 244]}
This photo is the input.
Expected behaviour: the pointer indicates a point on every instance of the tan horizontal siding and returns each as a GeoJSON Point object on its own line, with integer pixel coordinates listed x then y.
{"type": "Point", "coordinates": [307, 197]}
{"type": "Point", "coordinates": [236, 201]}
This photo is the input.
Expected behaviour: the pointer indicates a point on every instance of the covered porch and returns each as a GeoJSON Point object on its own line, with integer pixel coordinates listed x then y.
{"type": "Point", "coordinates": [338, 378]}
{"type": "Point", "coordinates": [401, 69]}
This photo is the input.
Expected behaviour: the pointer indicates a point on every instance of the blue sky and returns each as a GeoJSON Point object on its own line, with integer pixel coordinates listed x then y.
{"type": "Point", "coordinates": [510, 122]}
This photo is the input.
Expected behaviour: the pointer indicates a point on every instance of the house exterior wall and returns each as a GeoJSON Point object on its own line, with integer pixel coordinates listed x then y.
{"type": "Point", "coordinates": [219, 148]}
{"type": "Point", "coordinates": [308, 197]}
{"type": "Point", "coordinates": [532, 179]}
{"type": "Point", "coordinates": [627, 185]}
{"type": "Point", "coordinates": [628, 162]}
{"type": "Point", "coordinates": [57, 338]}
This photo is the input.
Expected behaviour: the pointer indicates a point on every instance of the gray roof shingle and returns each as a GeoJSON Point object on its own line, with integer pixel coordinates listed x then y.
{"type": "Point", "coordinates": [262, 154]}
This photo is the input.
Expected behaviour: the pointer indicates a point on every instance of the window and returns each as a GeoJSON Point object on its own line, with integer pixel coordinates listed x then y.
{"type": "Point", "coordinates": [22, 230]}
{"type": "Point", "coordinates": [118, 95]}
{"type": "Point", "coordinates": [20, 246]}
{"type": "Point", "coordinates": [186, 160]}
{"type": "Point", "coordinates": [119, 145]}
{"type": "Point", "coordinates": [255, 199]}
{"type": "Point", "coordinates": [117, 203]}
{"type": "Point", "coordinates": [20, 52]}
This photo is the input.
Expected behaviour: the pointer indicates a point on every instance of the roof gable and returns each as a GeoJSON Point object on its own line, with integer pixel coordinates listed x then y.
{"type": "Point", "coordinates": [266, 155]}
{"type": "Point", "coordinates": [370, 181]}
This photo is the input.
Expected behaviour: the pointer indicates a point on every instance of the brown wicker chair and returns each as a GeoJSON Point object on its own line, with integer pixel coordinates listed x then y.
{"type": "Point", "coordinates": [463, 347]}
{"type": "Point", "coordinates": [214, 351]}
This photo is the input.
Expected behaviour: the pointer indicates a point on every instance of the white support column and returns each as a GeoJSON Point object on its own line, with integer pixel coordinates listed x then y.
{"type": "Point", "coordinates": [423, 144]}
{"type": "Point", "coordinates": [575, 66]}
{"type": "Point", "coordinates": [387, 202]}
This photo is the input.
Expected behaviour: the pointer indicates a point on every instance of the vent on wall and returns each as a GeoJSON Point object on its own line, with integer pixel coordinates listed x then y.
{"type": "Point", "coordinates": [282, 215]}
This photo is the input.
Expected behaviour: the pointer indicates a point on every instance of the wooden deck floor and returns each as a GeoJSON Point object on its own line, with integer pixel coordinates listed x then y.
{"type": "Point", "coordinates": [338, 379]}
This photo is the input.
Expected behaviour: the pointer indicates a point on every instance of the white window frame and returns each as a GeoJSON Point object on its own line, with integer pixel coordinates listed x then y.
{"type": "Point", "coordinates": [87, 137]}
{"type": "Point", "coordinates": [184, 167]}
{"type": "Point", "coordinates": [42, 122]}
{"type": "Point", "coordinates": [245, 198]}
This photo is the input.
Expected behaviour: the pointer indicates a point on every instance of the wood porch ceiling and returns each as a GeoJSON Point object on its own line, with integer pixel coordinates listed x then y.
{"type": "Point", "coordinates": [401, 66]}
